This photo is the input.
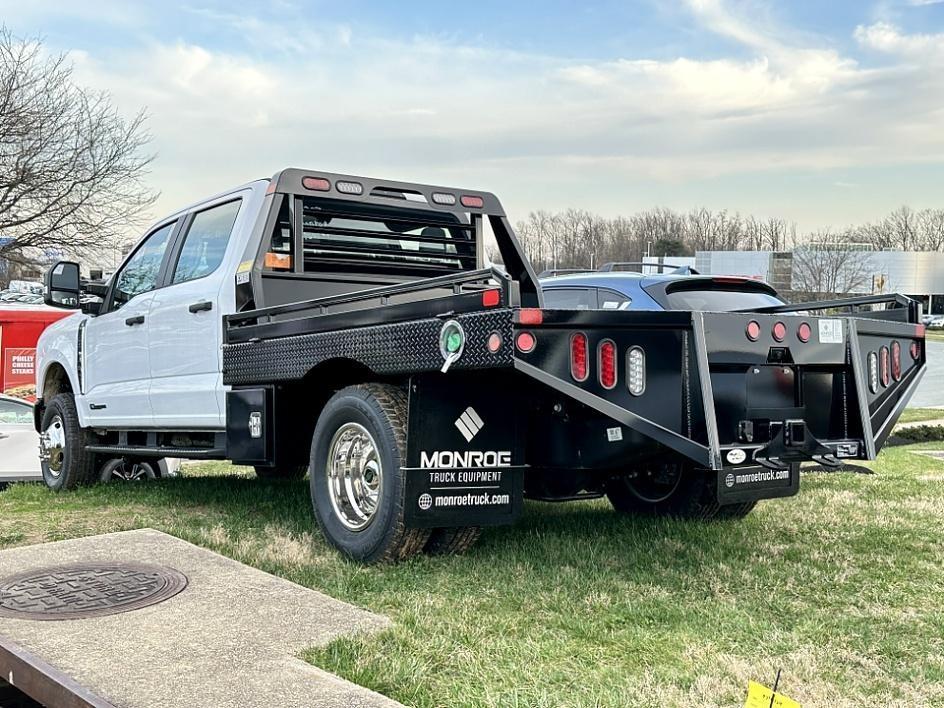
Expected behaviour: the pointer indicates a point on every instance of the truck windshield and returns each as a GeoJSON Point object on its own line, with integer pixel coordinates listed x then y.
{"type": "Point", "coordinates": [715, 300]}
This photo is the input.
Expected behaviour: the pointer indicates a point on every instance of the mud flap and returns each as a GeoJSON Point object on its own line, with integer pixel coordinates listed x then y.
{"type": "Point", "coordinates": [746, 484]}
{"type": "Point", "coordinates": [463, 453]}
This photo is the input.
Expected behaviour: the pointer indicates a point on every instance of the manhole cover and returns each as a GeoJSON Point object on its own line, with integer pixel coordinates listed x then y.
{"type": "Point", "coordinates": [87, 590]}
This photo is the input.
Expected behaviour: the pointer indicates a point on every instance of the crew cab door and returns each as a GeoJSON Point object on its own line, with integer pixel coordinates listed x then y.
{"type": "Point", "coordinates": [185, 323]}
{"type": "Point", "coordinates": [115, 357]}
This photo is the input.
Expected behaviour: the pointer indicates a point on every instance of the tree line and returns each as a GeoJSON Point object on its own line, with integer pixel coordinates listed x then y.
{"type": "Point", "coordinates": [576, 238]}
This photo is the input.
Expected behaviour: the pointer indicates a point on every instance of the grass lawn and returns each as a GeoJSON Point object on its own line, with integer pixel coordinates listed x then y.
{"type": "Point", "coordinates": [840, 587]}
{"type": "Point", "coordinates": [915, 415]}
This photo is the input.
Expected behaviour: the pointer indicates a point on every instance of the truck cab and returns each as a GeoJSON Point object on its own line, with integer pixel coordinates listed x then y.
{"type": "Point", "coordinates": [150, 355]}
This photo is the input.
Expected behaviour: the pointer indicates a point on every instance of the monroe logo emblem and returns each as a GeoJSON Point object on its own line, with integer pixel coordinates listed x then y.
{"type": "Point", "coordinates": [425, 502]}
{"type": "Point", "coordinates": [469, 424]}
{"type": "Point", "coordinates": [729, 480]}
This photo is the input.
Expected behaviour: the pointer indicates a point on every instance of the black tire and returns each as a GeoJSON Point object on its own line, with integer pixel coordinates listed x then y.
{"type": "Point", "coordinates": [379, 409]}
{"type": "Point", "coordinates": [120, 470]}
{"type": "Point", "coordinates": [70, 465]}
{"type": "Point", "coordinates": [693, 496]}
{"type": "Point", "coordinates": [292, 472]}
{"type": "Point", "coordinates": [452, 540]}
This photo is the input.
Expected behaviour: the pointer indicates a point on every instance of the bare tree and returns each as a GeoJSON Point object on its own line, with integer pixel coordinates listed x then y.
{"type": "Point", "coordinates": [71, 168]}
{"type": "Point", "coordinates": [825, 265]}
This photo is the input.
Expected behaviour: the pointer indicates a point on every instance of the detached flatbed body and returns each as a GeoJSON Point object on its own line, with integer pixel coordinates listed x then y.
{"type": "Point", "coordinates": [428, 393]}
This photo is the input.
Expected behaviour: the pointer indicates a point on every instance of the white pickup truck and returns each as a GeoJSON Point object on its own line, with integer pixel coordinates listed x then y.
{"type": "Point", "coordinates": [353, 326]}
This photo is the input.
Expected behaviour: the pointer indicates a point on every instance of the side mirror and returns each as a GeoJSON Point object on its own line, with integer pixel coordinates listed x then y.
{"type": "Point", "coordinates": [62, 285]}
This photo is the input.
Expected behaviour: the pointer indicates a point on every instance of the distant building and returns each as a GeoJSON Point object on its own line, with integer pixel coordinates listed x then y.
{"type": "Point", "coordinates": [917, 274]}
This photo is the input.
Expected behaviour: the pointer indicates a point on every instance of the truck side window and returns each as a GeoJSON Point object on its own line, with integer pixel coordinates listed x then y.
{"type": "Point", "coordinates": [570, 298]}
{"type": "Point", "coordinates": [205, 243]}
{"type": "Point", "coordinates": [139, 274]}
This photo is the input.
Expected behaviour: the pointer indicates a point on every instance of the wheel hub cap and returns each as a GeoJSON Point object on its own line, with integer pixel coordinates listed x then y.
{"type": "Point", "coordinates": [52, 443]}
{"type": "Point", "coordinates": [355, 476]}
{"type": "Point", "coordinates": [129, 472]}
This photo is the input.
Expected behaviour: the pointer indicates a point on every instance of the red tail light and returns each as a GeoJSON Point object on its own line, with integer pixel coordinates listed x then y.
{"type": "Point", "coordinates": [579, 366]}
{"type": "Point", "coordinates": [896, 361]}
{"type": "Point", "coordinates": [779, 331]}
{"type": "Point", "coordinates": [915, 350]}
{"type": "Point", "coordinates": [753, 331]}
{"type": "Point", "coordinates": [490, 298]}
{"type": "Point", "coordinates": [471, 201]}
{"type": "Point", "coordinates": [804, 332]}
{"type": "Point", "coordinates": [607, 357]}
{"type": "Point", "coordinates": [883, 367]}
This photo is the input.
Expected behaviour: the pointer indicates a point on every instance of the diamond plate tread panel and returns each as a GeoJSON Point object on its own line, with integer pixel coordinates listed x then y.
{"type": "Point", "coordinates": [397, 348]}
{"type": "Point", "coordinates": [87, 590]}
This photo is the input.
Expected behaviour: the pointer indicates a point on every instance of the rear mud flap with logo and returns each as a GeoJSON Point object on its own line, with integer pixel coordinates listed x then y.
{"type": "Point", "coordinates": [749, 483]}
{"type": "Point", "coordinates": [463, 452]}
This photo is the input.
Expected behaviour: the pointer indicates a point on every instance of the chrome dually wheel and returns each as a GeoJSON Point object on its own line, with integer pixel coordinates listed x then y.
{"type": "Point", "coordinates": [52, 445]}
{"type": "Point", "coordinates": [355, 476]}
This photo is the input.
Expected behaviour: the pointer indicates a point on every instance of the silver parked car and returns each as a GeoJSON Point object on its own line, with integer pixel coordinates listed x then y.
{"type": "Point", "coordinates": [19, 442]}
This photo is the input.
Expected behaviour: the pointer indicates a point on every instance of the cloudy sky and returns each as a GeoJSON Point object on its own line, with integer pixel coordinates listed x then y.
{"type": "Point", "coordinates": [826, 113]}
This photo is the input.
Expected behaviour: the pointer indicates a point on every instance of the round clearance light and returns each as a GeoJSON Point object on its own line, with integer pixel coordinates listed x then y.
{"type": "Point", "coordinates": [451, 340]}
{"type": "Point", "coordinates": [444, 199]}
{"type": "Point", "coordinates": [896, 360]}
{"type": "Point", "coordinates": [349, 187]}
{"type": "Point", "coordinates": [753, 331]}
{"type": "Point", "coordinates": [804, 332]}
{"type": "Point", "coordinates": [883, 366]}
{"type": "Point", "coordinates": [495, 342]}
{"type": "Point", "coordinates": [525, 342]}
{"type": "Point", "coordinates": [873, 372]}
{"type": "Point", "coordinates": [779, 331]}
{"type": "Point", "coordinates": [316, 184]}
{"type": "Point", "coordinates": [636, 370]}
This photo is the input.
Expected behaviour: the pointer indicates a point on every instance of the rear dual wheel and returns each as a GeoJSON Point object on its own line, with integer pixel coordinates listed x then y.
{"type": "Point", "coordinates": [358, 487]}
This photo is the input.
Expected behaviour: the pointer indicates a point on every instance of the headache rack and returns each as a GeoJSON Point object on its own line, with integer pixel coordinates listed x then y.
{"type": "Point", "coordinates": [441, 244]}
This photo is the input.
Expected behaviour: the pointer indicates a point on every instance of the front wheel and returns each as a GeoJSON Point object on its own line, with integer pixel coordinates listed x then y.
{"type": "Point", "coordinates": [672, 489]}
{"type": "Point", "coordinates": [357, 484]}
{"type": "Point", "coordinates": [66, 463]}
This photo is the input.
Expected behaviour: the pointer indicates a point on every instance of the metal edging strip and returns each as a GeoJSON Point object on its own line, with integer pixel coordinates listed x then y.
{"type": "Point", "coordinates": [43, 682]}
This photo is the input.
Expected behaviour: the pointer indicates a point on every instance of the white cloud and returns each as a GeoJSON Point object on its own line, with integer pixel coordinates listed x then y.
{"type": "Point", "coordinates": [544, 130]}
{"type": "Point", "coordinates": [888, 38]}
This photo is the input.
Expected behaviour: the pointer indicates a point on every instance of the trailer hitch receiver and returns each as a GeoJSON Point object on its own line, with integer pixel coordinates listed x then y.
{"type": "Point", "coordinates": [793, 442]}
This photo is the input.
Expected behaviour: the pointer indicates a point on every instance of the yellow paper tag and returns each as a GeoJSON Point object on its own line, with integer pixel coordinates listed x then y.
{"type": "Point", "coordinates": [244, 267]}
{"type": "Point", "coordinates": [759, 696]}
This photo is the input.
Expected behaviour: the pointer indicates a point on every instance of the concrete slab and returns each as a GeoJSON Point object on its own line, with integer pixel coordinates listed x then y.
{"type": "Point", "coordinates": [229, 638]}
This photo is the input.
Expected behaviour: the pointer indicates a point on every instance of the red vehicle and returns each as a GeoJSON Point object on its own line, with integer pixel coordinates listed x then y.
{"type": "Point", "coordinates": [20, 327]}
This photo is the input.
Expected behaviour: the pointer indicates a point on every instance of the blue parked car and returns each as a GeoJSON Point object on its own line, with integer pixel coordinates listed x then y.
{"type": "Point", "coordinates": [681, 289]}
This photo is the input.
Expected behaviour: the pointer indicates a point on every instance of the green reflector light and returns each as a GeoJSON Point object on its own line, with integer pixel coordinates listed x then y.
{"type": "Point", "coordinates": [453, 342]}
